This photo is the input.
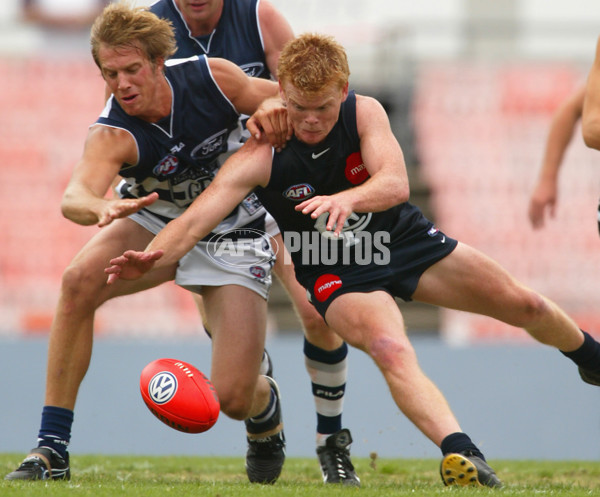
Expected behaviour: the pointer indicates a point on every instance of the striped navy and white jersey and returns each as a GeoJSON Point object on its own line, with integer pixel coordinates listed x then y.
{"type": "Point", "coordinates": [237, 37]}
{"type": "Point", "coordinates": [179, 155]}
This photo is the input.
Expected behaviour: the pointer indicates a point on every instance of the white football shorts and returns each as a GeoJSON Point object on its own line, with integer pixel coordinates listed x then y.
{"type": "Point", "coordinates": [271, 226]}
{"type": "Point", "coordinates": [239, 261]}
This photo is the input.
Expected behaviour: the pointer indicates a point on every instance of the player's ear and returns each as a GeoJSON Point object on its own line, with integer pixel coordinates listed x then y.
{"type": "Point", "coordinates": [160, 63]}
{"type": "Point", "coordinates": [281, 91]}
{"type": "Point", "coordinates": [345, 92]}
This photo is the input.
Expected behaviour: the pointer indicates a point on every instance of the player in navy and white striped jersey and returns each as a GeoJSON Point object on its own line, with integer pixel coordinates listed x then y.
{"type": "Point", "coordinates": [251, 33]}
{"type": "Point", "coordinates": [163, 130]}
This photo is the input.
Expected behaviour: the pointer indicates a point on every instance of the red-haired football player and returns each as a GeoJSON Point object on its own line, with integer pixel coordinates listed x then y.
{"type": "Point", "coordinates": [374, 245]}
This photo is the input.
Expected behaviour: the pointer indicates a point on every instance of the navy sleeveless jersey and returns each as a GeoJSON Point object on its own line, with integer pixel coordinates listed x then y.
{"type": "Point", "coordinates": [237, 36]}
{"type": "Point", "coordinates": [300, 171]}
{"type": "Point", "coordinates": [179, 156]}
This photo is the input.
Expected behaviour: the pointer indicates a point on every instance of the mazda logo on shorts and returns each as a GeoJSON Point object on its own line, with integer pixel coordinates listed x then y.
{"type": "Point", "coordinates": [162, 387]}
{"type": "Point", "coordinates": [242, 248]}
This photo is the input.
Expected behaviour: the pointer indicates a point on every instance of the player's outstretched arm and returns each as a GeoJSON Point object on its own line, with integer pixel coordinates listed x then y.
{"type": "Point", "coordinates": [105, 151]}
{"type": "Point", "coordinates": [591, 107]}
{"type": "Point", "coordinates": [545, 193]}
{"type": "Point", "coordinates": [242, 172]}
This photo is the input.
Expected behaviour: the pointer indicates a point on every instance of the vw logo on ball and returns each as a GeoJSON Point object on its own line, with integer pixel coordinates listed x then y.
{"type": "Point", "coordinates": [162, 387]}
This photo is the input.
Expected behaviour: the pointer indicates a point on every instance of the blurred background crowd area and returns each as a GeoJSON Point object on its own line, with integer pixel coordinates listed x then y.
{"type": "Point", "coordinates": [470, 87]}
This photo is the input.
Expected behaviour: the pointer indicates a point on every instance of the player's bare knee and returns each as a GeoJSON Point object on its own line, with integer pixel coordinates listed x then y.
{"type": "Point", "coordinates": [390, 353]}
{"type": "Point", "coordinates": [79, 284]}
{"type": "Point", "coordinates": [236, 406]}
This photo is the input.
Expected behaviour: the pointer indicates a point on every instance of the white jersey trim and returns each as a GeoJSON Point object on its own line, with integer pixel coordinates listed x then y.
{"type": "Point", "coordinates": [262, 43]}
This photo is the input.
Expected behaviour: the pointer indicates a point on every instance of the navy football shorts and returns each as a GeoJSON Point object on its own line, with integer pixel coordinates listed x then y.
{"type": "Point", "coordinates": [411, 254]}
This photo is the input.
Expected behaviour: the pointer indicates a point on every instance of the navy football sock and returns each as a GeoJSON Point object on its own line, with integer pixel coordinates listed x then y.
{"type": "Point", "coordinates": [460, 442]}
{"type": "Point", "coordinates": [588, 355]}
{"type": "Point", "coordinates": [268, 412]}
{"type": "Point", "coordinates": [55, 429]}
{"type": "Point", "coordinates": [266, 420]}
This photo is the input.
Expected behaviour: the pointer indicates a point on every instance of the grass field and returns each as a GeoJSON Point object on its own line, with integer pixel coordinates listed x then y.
{"type": "Point", "coordinates": [108, 476]}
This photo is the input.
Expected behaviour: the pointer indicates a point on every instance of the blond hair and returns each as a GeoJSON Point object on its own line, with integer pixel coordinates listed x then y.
{"type": "Point", "coordinates": [313, 61]}
{"type": "Point", "coordinates": [124, 25]}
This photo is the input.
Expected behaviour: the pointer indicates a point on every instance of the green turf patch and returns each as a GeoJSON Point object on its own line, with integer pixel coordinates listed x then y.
{"type": "Point", "coordinates": [139, 476]}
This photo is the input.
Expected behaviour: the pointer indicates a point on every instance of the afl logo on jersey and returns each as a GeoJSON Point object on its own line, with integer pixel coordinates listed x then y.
{"type": "Point", "coordinates": [325, 285]}
{"type": "Point", "coordinates": [356, 172]}
{"type": "Point", "coordinates": [253, 69]}
{"type": "Point", "coordinates": [300, 192]}
{"type": "Point", "coordinates": [168, 165]}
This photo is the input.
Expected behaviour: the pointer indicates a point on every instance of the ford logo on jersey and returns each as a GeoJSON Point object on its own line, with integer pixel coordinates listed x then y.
{"type": "Point", "coordinates": [253, 69]}
{"type": "Point", "coordinates": [300, 192]}
{"type": "Point", "coordinates": [167, 165]}
{"type": "Point", "coordinates": [213, 145]}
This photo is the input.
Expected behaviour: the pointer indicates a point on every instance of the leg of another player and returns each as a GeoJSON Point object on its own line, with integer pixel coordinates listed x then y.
{"type": "Point", "coordinates": [83, 290]}
{"type": "Point", "coordinates": [325, 355]}
{"type": "Point", "coordinates": [470, 281]}
{"type": "Point", "coordinates": [373, 323]}
{"type": "Point", "coordinates": [325, 360]}
{"type": "Point", "coordinates": [237, 319]}
{"type": "Point", "coordinates": [265, 366]}
{"type": "Point", "coordinates": [200, 306]}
